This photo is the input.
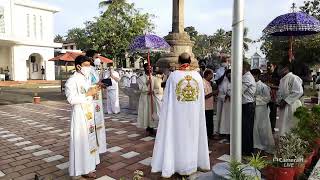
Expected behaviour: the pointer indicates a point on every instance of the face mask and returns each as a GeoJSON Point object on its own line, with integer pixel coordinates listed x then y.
{"type": "Point", "coordinates": [85, 71]}
{"type": "Point", "coordinates": [97, 62]}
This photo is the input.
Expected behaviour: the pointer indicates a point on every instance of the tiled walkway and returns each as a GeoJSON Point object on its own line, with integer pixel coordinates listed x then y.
{"type": "Point", "coordinates": [34, 139]}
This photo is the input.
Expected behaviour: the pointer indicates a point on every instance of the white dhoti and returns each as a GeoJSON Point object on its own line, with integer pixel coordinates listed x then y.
{"type": "Point", "coordinates": [262, 132]}
{"type": "Point", "coordinates": [113, 105]}
{"type": "Point", "coordinates": [225, 118]}
{"type": "Point", "coordinates": [219, 114]}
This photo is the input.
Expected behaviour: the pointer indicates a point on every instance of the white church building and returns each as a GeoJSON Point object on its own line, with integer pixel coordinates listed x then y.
{"type": "Point", "coordinates": [258, 62]}
{"type": "Point", "coordinates": [26, 39]}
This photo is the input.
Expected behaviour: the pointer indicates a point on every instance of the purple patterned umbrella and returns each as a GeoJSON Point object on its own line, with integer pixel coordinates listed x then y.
{"type": "Point", "coordinates": [293, 24]}
{"type": "Point", "coordinates": [149, 42]}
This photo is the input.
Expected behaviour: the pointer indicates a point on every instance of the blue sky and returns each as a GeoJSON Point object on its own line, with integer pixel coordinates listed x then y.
{"type": "Point", "coordinates": [205, 15]}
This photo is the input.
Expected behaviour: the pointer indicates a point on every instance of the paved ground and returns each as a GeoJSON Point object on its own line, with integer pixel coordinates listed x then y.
{"type": "Point", "coordinates": [35, 138]}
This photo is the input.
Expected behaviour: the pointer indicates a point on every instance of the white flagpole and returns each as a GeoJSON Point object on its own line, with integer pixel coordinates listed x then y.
{"type": "Point", "coordinates": [236, 79]}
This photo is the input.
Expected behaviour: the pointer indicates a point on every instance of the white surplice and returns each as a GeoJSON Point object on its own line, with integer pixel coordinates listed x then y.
{"type": "Point", "coordinates": [83, 155]}
{"type": "Point", "coordinates": [113, 104]}
{"type": "Point", "coordinates": [158, 95]}
{"type": "Point", "coordinates": [290, 90]}
{"type": "Point", "coordinates": [181, 144]}
{"type": "Point", "coordinates": [99, 114]}
{"type": "Point", "coordinates": [144, 110]}
{"type": "Point", "coordinates": [220, 100]}
{"type": "Point", "coordinates": [225, 112]}
{"type": "Point", "coordinates": [262, 132]}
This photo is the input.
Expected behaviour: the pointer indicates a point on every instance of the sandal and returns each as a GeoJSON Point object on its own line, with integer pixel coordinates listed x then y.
{"type": "Point", "coordinates": [90, 175]}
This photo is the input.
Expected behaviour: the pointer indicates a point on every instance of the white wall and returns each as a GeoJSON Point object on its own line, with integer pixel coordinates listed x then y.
{"type": "Point", "coordinates": [20, 24]}
{"type": "Point", "coordinates": [22, 54]}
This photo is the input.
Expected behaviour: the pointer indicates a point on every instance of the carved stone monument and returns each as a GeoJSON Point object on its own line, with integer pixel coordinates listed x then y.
{"type": "Point", "coordinates": [178, 39]}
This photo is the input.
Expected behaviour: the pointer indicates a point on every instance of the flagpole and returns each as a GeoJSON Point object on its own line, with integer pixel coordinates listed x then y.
{"type": "Point", "coordinates": [236, 81]}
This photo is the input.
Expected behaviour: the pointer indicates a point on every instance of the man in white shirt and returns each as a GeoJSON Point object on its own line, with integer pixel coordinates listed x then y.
{"type": "Point", "coordinates": [113, 105]}
{"type": "Point", "coordinates": [248, 109]}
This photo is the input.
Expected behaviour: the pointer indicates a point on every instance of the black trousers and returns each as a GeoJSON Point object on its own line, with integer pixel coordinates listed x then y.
{"type": "Point", "coordinates": [248, 111]}
{"type": "Point", "coordinates": [273, 114]}
{"type": "Point", "coordinates": [209, 122]}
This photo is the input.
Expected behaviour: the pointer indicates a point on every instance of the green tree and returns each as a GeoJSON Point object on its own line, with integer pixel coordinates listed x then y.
{"type": "Point", "coordinates": [58, 39]}
{"type": "Point", "coordinates": [106, 3]}
{"type": "Point", "coordinates": [192, 32]}
{"type": "Point", "coordinates": [113, 31]}
{"type": "Point", "coordinates": [220, 41]}
{"type": "Point", "coordinates": [312, 7]}
{"type": "Point", "coordinates": [80, 37]}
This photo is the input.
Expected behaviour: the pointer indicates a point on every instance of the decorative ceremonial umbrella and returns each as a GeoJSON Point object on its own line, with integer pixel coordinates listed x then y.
{"type": "Point", "coordinates": [293, 24]}
{"type": "Point", "coordinates": [146, 44]}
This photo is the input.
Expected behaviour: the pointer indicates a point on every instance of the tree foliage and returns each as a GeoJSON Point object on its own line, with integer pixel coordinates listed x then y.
{"type": "Point", "coordinates": [58, 39]}
{"type": "Point", "coordinates": [112, 32]}
{"type": "Point", "coordinates": [219, 42]}
{"type": "Point", "coordinates": [312, 7]}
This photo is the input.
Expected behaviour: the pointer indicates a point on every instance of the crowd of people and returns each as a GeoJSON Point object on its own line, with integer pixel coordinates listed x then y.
{"type": "Point", "coordinates": [178, 108]}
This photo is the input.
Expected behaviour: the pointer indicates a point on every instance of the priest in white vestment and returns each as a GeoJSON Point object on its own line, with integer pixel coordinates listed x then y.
{"type": "Point", "coordinates": [289, 94]}
{"type": "Point", "coordinates": [181, 144]}
{"type": "Point", "coordinates": [224, 128]}
{"type": "Point", "coordinates": [98, 101]}
{"type": "Point", "coordinates": [219, 77]}
{"type": "Point", "coordinates": [113, 104]}
{"type": "Point", "coordinates": [84, 152]}
{"type": "Point", "coordinates": [262, 131]}
{"type": "Point", "coordinates": [145, 111]}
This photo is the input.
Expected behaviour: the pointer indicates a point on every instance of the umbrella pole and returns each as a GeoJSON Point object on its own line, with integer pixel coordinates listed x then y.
{"type": "Point", "coordinates": [290, 48]}
{"type": "Point", "coordinates": [150, 80]}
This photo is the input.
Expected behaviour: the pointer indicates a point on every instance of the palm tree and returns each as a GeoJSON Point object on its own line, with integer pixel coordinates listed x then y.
{"type": "Point", "coordinates": [106, 3]}
{"type": "Point", "coordinates": [246, 40]}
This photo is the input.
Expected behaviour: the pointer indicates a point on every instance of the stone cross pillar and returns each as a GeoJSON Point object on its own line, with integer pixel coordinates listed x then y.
{"type": "Point", "coordinates": [178, 16]}
{"type": "Point", "coordinates": [178, 39]}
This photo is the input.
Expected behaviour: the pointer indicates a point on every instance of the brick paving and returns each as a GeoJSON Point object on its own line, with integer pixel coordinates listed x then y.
{"type": "Point", "coordinates": [34, 139]}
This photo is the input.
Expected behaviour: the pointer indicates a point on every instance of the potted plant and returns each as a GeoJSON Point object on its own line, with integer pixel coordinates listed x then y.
{"type": "Point", "coordinates": [308, 127]}
{"type": "Point", "coordinates": [258, 162]}
{"type": "Point", "coordinates": [288, 158]}
{"type": "Point", "coordinates": [36, 98]}
{"type": "Point", "coordinates": [237, 170]}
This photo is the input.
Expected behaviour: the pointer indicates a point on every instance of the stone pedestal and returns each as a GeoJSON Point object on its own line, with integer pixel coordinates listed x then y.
{"type": "Point", "coordinates": [178, 39]}
{"type": "Point", "coordinates": [180, 43]}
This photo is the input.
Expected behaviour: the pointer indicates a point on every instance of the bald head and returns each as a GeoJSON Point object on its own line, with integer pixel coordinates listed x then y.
{"type": "Point", "coordinates": [184, 58]}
